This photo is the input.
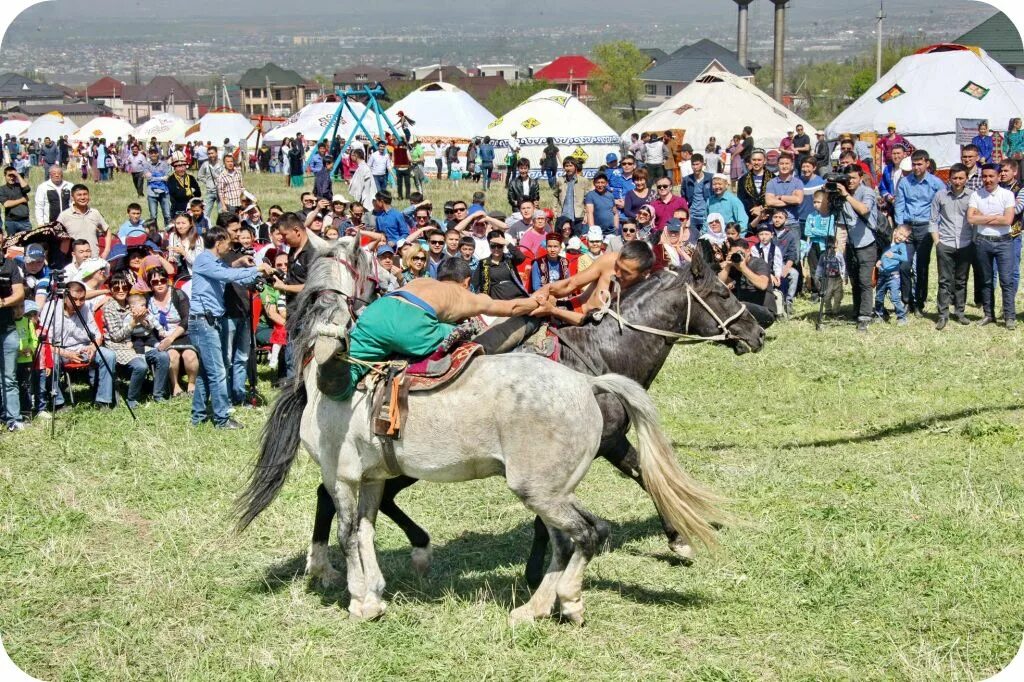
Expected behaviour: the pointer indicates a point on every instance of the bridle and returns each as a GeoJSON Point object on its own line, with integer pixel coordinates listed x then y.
{"type": "Point", "coordinates": [725, 334]}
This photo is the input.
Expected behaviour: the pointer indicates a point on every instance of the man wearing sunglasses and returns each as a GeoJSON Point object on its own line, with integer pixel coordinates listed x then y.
{"type": "Point", "coordinates": [666, 203]}
{"type": "Point", "coordinates": [496, 275]}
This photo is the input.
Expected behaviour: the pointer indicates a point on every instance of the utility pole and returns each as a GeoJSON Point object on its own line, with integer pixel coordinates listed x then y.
{"type": "Point", "coordinates": [778, 79]}
{"type": "Point", "coordinates": [878, 49]}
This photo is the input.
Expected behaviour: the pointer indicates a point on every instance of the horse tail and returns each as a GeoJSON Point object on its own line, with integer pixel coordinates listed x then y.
{"type": "Point", "coordinates": [278, 447]}
{"type": "Point", "coordinates": [683, 502]}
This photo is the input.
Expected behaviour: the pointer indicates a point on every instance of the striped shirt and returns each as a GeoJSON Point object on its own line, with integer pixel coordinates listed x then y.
{"type": "Point", "coordinates": [229, 188]}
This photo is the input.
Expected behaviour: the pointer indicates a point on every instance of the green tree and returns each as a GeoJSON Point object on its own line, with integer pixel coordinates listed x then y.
{"type": "Point", "coordinates": [617, 78]}
{"type": "Point", "coordinates": [861, 82]}
{"type": "Point", "coordinates": [504, 99]}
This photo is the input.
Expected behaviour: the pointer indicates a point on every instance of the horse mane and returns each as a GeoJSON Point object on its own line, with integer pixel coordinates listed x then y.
{"type": "Point", "coordinates": [320, 297]}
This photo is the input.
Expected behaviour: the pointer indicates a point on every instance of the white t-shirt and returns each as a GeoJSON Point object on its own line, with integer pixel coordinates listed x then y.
{"type": "Point", "coordinates": [655, 152]}
{"type": "Point", "coordinates": [992, 203]}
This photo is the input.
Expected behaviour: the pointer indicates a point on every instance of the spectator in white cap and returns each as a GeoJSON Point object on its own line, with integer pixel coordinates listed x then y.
{"type": "Point", "coordinates": [726, 204]}
{"type": "Point", "coordinates": [93, 274]}
{"type": "Point", "coordinates": [337, 218]}
{"type": "Point", "coordinates": [595, 247]}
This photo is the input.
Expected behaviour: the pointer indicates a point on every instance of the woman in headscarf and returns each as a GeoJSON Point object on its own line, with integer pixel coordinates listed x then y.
{"type": "Point", "coordinates": [714, 244]}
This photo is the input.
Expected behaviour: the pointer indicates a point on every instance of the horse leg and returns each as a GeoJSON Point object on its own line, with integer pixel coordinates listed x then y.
{"type": "Point", "coordinates": [625, 458]}
{"type": "Point", "coordinates": [535, 564]}
{"type": "Point", "coordinates": [318, 564]}
{"type": "Point", "coordinates": [585, 531]}
{"type": "Point", "coordinates": [373, 605]}
{"type": "Point", "coordinates": [345, 501]}
{"type": "Point", "coordinates": [542, 601]}
{"type": "Point", "coordinates": [418, 538]}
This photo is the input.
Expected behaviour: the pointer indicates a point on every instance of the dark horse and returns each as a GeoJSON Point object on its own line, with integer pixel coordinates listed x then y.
{"type": "Point", "coordinates": [661, 302]}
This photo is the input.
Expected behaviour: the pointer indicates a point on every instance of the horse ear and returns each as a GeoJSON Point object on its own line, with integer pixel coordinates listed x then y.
{"type": "Point", "coordinates": [319, 244]}
{"type": "Point", "coordinates": [698, 268]}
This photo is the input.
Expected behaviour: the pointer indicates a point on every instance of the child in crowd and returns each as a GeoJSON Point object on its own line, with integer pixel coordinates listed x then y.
{"type": "Point", "coordinates": [133, 226]}
{"type": "Point", "coordinates": [889, 276]}
{"type": "Point", "coordinates": [28, 341]}
{"type": "Point", "coordinates": [199, 218]}
{"type": "Point", "coordinates": [146, 334]}
{"type": "Point", "coordinates": [767, 250]}
{"type": "Point", "coordinates": [818, 228]}
{"type": "Point", "coordinates": [456, 171]}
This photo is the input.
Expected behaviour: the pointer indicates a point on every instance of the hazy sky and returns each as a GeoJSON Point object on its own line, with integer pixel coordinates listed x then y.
{"type": "Point", "coordinates": [405, 11]}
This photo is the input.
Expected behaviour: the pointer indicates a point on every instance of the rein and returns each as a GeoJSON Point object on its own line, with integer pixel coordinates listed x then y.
{"type": "Point", "coordinates": [676, 337]}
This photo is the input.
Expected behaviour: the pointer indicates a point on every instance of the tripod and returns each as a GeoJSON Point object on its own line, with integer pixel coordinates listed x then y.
{"type": "Point", "coordinates": [838, 214]}
{"type": "Point", "coordinates": [54, 314]}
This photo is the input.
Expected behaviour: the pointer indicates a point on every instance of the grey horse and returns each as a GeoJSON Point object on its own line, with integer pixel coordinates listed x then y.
{"type": "Point", "coordinates": [543, 452]}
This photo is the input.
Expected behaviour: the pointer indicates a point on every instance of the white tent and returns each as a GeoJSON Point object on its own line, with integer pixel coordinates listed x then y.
{"type": "Point", "coordinates": [577, 130]}
{"type": "Point", "coordinates": [719, 106]}
{"type": "Point", "coordinates": [165, 127]}
{"type": "Point", "coordinates": [926, 92]}
{"type": "Point", "coordinates": [51, 125]}
{"type": "Point", "coordinates": [217, 126]}
{"type": "Point", "coordinates": [312, 119]}
{"type": "Point", "coordinates": [107, 127]}
{"type": "Point", "coordinates": [14, 126]}
{"type": "Point", "coordinates": [441, 112]}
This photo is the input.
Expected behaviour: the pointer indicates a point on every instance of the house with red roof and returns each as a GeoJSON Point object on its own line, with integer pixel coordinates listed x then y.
{"type": "Point", "coordinates": [107, 91]}
{"type": "Point", "coordinates": [570, 72]}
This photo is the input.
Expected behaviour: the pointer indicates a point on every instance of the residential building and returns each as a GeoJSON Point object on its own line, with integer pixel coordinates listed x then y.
{"type": "Point", "coordinates": [363, 74]}
{"type": "Point", "coordinates": [667, 76]}
{"type": "Point", "coordinates": [162, 94]}
{"type": "Point", "coordinates": [999, 37]}
{"type": "Point", "coordinates": [510, 72]}
{"type": "Point", "coordinates": [17, 90]}
{"type": "Point", "coordinates": [76, 110]}
{"type": "Point", "coordinates": [106, 91]}
{"type": "Point", "coordinates": [569, 72]}
{"type": "Point", "coordinates": [273, 91]}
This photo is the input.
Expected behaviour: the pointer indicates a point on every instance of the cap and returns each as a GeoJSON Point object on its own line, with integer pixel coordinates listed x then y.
{"type": "Point", "coordinates": [891, 124]}
{"type": "Point", "coordinates": [34, 253]}
{"type": "Point", "coordinates": [594, 234]}
{"type": "Point", "coordinates": [31, 306]}
{"type": "Point", "coordinates": [574, 244]}
{"type": "Point", "coordinates": [384, 248]}
{"type": "Point", "coordinates": [687, 147]}
{"type": "Point", "coordinates": [339, 199]}
{"type": "Point", "coordinates": [90, 267]}
{"type": "Point", "coordinates": [766, 227]}
{"type": "Point", "coordinates": [721, 176]}
{"type": "Point", "coordinates": [611, 156]}
{"type": "Point", "coordinates": [177, 157]}
{"type": "Point", "coordinates": [674, 225]}
{"type": "Point", "coordinates": [449, 206]}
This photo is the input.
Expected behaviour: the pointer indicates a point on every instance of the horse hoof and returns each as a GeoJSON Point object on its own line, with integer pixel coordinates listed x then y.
{"type": "Point", "coordinates": [684, 551]}
{"type": "Point", "coordinates": [572, 613]}
{"type": "Point", "coordinates": [367, 610]}
{"type": "Point", "coordinates": [521, 616]}
{"type": "Point", "coordinates": [330, 577]}
{"type": "Point", "coordinates": [421, 558]}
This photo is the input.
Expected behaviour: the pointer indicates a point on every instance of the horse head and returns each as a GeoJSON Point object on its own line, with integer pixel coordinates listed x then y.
{"type": "Point", "coordinates": [715, 312]}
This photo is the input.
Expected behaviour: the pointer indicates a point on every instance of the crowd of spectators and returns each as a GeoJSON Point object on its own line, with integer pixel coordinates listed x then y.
{"type": "Point", "coordinates": [182, 304]}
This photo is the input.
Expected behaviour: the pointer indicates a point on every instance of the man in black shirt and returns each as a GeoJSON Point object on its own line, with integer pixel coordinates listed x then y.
{"type": "Point", "coordinates": [14, 197]}
{"type": "Point", "coordinates": [236, 329]}
{"type": "Point", "coordinates": [300, 258]}
{"type": "Point", "coordinates": [749, 279]}
{"type": "Point", "coordinates": [801, 145]}
{"type": "Point", "coordinates": [12, 293]}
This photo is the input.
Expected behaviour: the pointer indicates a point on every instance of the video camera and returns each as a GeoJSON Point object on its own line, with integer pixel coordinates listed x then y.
{"type": "Point", "coordinates": [832, 182]}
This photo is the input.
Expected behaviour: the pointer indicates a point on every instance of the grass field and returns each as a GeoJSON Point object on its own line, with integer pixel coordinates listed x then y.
{"type": "Point", "coordinates": [877, 479]}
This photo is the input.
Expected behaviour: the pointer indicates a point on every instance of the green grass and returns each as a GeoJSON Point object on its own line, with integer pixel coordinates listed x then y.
{"type": "Point", "coordinates": [877, 480]}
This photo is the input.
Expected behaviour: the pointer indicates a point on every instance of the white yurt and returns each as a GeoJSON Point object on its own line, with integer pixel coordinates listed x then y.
{"type": "Point", "coordinates": [52, 125]}
{"type": "Point", "coordinates": [719, 106]}
{"type": "Point", "coordinates": [576, 129]}
{"type": "Point", "coordinates": [312, 119]}
{"type": "Point", "coordinates": [165, 127]}
{"type": "Point", "coordinates": [14, 126]}
{"type": "Point", "coordinates": [926, 92]}
{"type": "Point", "coordinates": [441, 111]}
{"type": "Point", "coordinates": [107, 127]}
{"type": "Point", "coordinates": [217, 126]}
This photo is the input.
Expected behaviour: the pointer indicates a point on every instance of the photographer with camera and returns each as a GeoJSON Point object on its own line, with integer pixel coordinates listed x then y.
{"type": "Point", "coordinates": [14, 197]}
{"type": "Point", "coordinates": [235, 328]}
{"type": "Point", "coordinates": [858, 216]}
{"type": "Point", "coordinates": [12, 295]}
{"type": "Point", "coordinates": [300, 258]}
{"type": "Point", "coordinates": [749, 279]}
{"type": "Point", "coordinates": [211, 273]}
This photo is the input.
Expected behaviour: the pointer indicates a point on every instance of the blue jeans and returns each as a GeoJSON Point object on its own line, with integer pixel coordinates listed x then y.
{"type": "Point", "coordinates": [10, 341]}
{"type": "Point", "coordinates": [163, 203]}
{"type": "Point", "coordinates": [485, 172]}
{"type": "Point", "coordinates": [790, 282]}
{"type": "Point", "coordinates": [211, 382]}
{"type": "Point", "coordinates": [210, 204]}
{"type": "Point", "coordinates": [13, 227]}
{"type": "Point", "coordinates": [890, 283]}
{"type": "Point", "coordinates": [551, 175]}
{"type": "Point", "coordinates": [382, 182]}
{"type": "Point", "coordinates": [1014, 277]}
{"type": "Point", "coordinates": [235, 346]}
{"type": "Point", "coordinates": [160, 361]}
{"type": "Point", "coordinates": [98, 372]}
{"type": "Point", "coordinates": [993, 255]}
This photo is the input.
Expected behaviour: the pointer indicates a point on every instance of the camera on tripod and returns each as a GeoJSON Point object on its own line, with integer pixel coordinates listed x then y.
{"type": "Point", "coordinates": [58, 282]}
{"type": "Point", "coordinates": [832, 182]}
